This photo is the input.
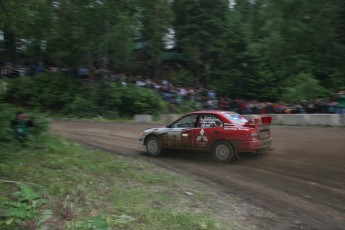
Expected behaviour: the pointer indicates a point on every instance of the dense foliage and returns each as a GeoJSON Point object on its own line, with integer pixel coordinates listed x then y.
{"type": "Point", "coordinates": [8, 113]}
{"type": "Point", "coordinates": [250, 49]}
{"type": "Point", "coordinates": [66, 95]}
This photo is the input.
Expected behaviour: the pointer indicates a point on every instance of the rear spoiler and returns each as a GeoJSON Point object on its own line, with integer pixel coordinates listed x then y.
{"type": "Point", "coordinates": [266, 120]}
{"type": "Point", "coordinates": [261, 120]}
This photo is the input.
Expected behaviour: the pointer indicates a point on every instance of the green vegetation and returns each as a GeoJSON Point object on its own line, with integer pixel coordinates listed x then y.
{"type": "Point", "coordinates": [61, 94]}
{"type": "Point", "coordinates": [51, 183]}
{"type": "Point", "coordinates": [54, 183]}
{"type": "Point", "coordinates": [8, 113]}
{"type": "Point", "coordinates": [243, 49]}
{"type": "Point", "coordinates": [298, 88]}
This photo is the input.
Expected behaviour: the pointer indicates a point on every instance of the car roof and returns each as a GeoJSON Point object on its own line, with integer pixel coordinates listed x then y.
{"type": "Point", "coordinates": [211, 111]}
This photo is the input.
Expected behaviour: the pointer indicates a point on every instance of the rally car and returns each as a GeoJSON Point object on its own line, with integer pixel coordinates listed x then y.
{"type": "Point", "coordinates": [223, 133]}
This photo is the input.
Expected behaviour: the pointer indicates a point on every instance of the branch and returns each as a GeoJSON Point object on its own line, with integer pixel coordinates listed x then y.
{"type": "Point", "coordinates": [9, 181]}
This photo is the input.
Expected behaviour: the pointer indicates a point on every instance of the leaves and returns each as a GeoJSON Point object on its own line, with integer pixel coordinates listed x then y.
{"type": "Point", "coordinates": [298, 88]}
{"type": "Point", "coordinates": [27, 194]}
{"type": "Point", "coordinates": [18, 211]}
{"type": "Point", "coordinates": [196, 24]}
{"type": "Point", "coordinates": [26, 209]}
{"type": "Point", "coordinates": [225, 47]}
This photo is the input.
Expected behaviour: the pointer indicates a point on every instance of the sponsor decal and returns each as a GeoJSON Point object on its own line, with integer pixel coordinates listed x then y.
{"type": "Point", "coordinates": [209, 121]}
{"type": "Point", "coordinates": [201, 137]}
{"type": "Point", "coordinates": [202, 140]}
{"type": "Point", "coordinates": [240, 129]}
{"type": "Point", "coordinates": [230, 128]}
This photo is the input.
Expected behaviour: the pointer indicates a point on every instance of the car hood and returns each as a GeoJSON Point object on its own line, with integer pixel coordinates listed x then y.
{"type": "Point", "coordinates": [156, 130]}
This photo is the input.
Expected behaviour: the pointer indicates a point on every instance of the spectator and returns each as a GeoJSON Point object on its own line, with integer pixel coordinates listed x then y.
{"type": "Point", "coordinates": [340, 107]}
{"type": "Point", "coordinates": [20, 126]}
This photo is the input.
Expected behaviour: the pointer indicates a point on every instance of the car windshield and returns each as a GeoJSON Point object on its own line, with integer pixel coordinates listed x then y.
{"type": "Point", "coordinates": [236, 118]}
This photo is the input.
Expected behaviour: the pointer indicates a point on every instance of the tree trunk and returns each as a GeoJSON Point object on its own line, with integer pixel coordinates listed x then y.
{"type": "Point", "coordinates": [10, 46]}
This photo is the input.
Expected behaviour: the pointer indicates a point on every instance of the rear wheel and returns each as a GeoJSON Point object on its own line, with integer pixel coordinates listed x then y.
{"type": "Point", "coordinates": [153, 146]}
{"type": "Point", "coordinates": [223, 152]}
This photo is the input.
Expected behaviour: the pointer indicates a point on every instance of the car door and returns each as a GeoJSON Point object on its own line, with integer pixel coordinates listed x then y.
{"type": "Point", "coordinates": [208, 131]}
{"type": "Point", "coordinates": [180, 136]}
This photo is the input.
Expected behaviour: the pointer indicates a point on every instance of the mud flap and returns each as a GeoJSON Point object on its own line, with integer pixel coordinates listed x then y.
{"type": "Point", "coordinates": [238, 157]}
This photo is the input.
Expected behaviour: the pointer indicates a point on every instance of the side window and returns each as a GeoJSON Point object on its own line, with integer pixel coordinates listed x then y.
{"type": "Point", "coordinates": [186, 122]}
{"type": "Point", "coordinates": [209, 120]}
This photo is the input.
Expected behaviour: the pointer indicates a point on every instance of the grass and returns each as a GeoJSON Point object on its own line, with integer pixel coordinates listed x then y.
{"type": "Point", "coordinates": [80, 188]}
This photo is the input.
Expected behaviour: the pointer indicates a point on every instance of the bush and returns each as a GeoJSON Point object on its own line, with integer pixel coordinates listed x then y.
{"type": "Point", "coordinates": [8, 113]}
{"type": "Point", "coordinates": [136, 100]}
{"type": "Point", "coordinates": [81, 107]}
{"type": "Point", "coordinates": [3, 87]}
{"type": "Point", "coordinates": [49, 91]}
{"type": "Point", "coordinates": [299, 88]}
{"type": "Point", "coordinates": [62, 94]}
{"type": "Point", "coordinates": [115, 99]}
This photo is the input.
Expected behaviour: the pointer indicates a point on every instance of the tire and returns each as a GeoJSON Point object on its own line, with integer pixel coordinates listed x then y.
{"type": "Point", "coordinates": [154, 146]}
{"type": "Point", "coordinates": [223, 152]}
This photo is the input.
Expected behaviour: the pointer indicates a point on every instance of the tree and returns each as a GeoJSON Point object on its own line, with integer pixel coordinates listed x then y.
{"type": "Point", "coordinates": [15, 16]}
{"type": "Point", "coordinates": [200, 33]}
{"type": "Point", "coordinates": [236, 67]}
{"type": "Point", "coordinates": [3, 87]}
{"type": "Point", "coordinates": [298, 88]}
{"type": "Point", "coordinates": [299, 36]}
{"type": "Point", "coordinates": [155, 20]}
{"type": "Point", "coordinates": [91, 33]}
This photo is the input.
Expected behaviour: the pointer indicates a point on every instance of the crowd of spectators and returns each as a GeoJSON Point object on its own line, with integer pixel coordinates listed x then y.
{"type": "Point", "coordinates": [201, 97]}
{"type": "Point", "coordinates": [208, 99]}
{"type": "Point", "coordinates": [8, 69]}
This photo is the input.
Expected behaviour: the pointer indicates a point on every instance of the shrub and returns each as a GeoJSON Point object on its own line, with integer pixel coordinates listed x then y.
{"type": "Point", "coordinates": [62, 94]}
{"type": "Point", "coordinates": [299, 88]}
{"type": "Point", "coordinates": [81, 107]}
{"type": "Point", "coordinates": [3, 87]}
{"type": "Point", "coordinates": [8, 113]}
{"type": "Point", "coordinates": [26, 212]}
{"type": "Point", "coordinates": [50, 91]}
{"type": "Point", "coordinates": [136, 100]}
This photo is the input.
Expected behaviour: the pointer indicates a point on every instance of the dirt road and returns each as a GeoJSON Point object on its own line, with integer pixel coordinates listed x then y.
{"type": "Point", "coordinates": [301, 183]}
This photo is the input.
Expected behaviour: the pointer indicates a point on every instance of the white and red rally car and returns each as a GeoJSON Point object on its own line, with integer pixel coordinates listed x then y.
{"type": "Point", "coordinates": [223, 133]}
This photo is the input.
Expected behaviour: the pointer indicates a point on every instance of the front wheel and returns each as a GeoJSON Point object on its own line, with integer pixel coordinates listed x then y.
{"type": "Point", "coordinates": [153, 146]}
{"type": "Point", "coordinates": [223, 152]}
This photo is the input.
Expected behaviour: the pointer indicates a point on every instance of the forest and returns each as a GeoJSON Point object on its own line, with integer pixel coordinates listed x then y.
{"type": "Point", "coordinates": [272, 50]}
